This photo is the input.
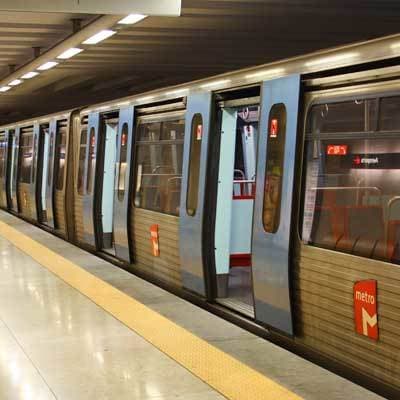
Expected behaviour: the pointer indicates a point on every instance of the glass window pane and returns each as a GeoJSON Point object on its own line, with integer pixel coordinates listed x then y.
{"type": "Point", "coordinates": [274, 167]}
{"type": "Point", "coordinates": [91, 161]}
{"type": "Point", "coordinates": [158, 169]}
{"type": "Point", "coordinates": [352, 196]}
{"type": "Point", "coordinates": [25, 157]}
{"type": "Point", "coordinates": [150, 131]}
{"type": "Point", "coordinates": [194, 164]}
{"type": "Point", "coordinates": [389, 114]}
{"type": "Point", "coordinates": [172, 130]}
{"type": "Point", "coordinates": [122, 162]}
{"type": "Point", "coordinates": [349, 116]}
{"type": "Point", "coordinates": [82, 159]}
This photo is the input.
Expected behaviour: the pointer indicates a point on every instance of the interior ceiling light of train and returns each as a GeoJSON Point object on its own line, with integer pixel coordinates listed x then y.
{"type": "Point", "coordinates": [54, 61]}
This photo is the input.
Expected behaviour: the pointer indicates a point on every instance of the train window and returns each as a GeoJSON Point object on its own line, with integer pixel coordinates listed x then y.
{"type": "Point", "coordinates": [158, 169]}
{"type": "Point", "coordinates": [194, 164]}
{"type": "Point", "coordinates": [274, 167]}
{"type": "Point", "coordinates": [25, 156]}
{"type": "Point", "coordinates": [149, 132]}
{"type": "Point", "coordinates": [60, 158]}
{"type": "Point", "coordinates": [91, 161]}
{"type": "Point", "coordinates": [172, 130]}
{"type": "Point", "coordinates": [389, 114]}
{"type": "Point", "coordinates": [122, 162]}
{"type": "Point", "coordinates": [350, 116]}
{"type": "Point", "coordinates": [82, 159]}
{"type": "Point", "coordinates": [352, 194]}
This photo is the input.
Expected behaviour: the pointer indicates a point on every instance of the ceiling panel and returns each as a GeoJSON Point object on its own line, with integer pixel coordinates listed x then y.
{"type": "Point", "coordinates": [210, 37]}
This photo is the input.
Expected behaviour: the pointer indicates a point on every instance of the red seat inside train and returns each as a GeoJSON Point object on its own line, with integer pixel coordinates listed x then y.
{"type": "Point", "coordinates": [358, 230]}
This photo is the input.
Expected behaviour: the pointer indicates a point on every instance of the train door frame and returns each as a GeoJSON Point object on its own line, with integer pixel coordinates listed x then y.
{"type": "Point", "coordinates": [231, 100]}
{"type": "Point", "coordinates": [43, 164]}
{"type": "Point", "coordinates": [100, 171]}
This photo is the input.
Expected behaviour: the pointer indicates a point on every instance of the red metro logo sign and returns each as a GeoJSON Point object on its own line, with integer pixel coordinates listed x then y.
{"type": "Point", "coordinates": [365, 309]}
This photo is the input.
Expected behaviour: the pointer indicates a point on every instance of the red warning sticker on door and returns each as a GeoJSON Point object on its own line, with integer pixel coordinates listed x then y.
{"type": "Point", "coordinates": [365, 308]}
{"type": "Point", "coordinates": [154, 240]}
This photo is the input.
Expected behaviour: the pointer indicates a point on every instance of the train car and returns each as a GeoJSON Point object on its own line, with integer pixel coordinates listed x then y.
{"type": "Point", "coordinates": [272, 193]}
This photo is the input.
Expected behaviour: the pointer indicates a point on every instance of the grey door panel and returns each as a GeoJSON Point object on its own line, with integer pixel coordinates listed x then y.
{"type": "Point", "coordinates": [50, 174]}
{"type": "Point", "coordinates": [14, 171]}
{"type": "Point", "coordinates": [121, 204]}
{"type": "Point", "coordinates": [191, 227]}
{"type": "Point", "coordinates": [88, 198]}
{"type": "Point", "coordinates": [3, 182]}
{"type": "Point", "coordinates": [270, 251]}
{"type": "Point", "coordinates": [32, 189]}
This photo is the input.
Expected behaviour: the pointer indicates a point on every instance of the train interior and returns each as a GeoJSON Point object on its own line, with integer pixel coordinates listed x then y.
{"type": "Point", "coordinates": [234, 211]}
{"type": "Point", "coordinates": [108, 149]}
{"type": "Point", "coordinates": [352, 201]}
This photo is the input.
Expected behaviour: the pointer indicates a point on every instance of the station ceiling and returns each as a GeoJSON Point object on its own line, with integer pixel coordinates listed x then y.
{"type": "Point", "coordinates": [210, 37]}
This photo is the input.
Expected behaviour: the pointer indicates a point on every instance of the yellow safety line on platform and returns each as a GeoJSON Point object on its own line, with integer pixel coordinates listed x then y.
{"type": "Point", "coordinates": [222, 372]}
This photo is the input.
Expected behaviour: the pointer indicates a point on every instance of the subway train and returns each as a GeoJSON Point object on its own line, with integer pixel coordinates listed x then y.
{"type": "Point", "coordinates": [270, 193]}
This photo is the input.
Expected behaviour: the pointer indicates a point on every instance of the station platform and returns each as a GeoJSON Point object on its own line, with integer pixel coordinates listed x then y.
{"type": "Point", "coordinates": [73, 326]}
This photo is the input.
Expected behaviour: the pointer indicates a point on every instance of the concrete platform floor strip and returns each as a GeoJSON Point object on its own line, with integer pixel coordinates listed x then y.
{"type": "Point", "coordinates": [230, 377]}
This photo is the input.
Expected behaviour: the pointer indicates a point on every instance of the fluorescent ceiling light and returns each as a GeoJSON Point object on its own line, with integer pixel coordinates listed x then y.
{"type": "Point", "coordinates": [216, 83]}
{"type": "Point", "coordinates": [331, 59]}
{"type": "Point", "coordinates": [73, 51]}
{"type": "Point", "coordinates": [98, 37]}
{"type": "Point", "coordinates": [265, 72]}
{"type": "Point", "coordinates": [29, 75]}
{"type": "Point", "coordinates": [132, 19]}
{"type": "Point", "coordinates": [48, 65]}
{"type": "Point", "coordinates": [15, 82]}
{"type": "Point", "coordinates": [4, 88]}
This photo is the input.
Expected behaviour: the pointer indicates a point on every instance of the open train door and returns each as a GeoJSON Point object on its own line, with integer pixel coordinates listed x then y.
{"type": "Point", "coordinates": [191, 229]}
{"type": "Point", "coordinates": [88, 195]}
{"type": "Point", "coordinates": [121, 182]}
{"type": "Point", "coordinates": [273, 204]}
{"type": "Point", "coordinates": [12, 168]}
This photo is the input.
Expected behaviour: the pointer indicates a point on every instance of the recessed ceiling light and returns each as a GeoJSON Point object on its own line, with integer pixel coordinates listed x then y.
{"type": "Point", "coordinates": [4, 88]}
{"type": "Point", "coordinates": [29, 75]}
{"type": "Point", "coordinates": [98, 37]}
{"type": "Point", "coordinates": [48, 65]}
{"type": "Point", "coordinates": [132, 19]}
{"type": "Point", "coordinates": [15, 82]}
{"type": "Point", "coordinates": [73, 51]}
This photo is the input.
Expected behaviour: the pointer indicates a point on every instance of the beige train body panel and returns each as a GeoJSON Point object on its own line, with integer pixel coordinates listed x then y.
{"type": "Point", "coordinates": [323, 299]}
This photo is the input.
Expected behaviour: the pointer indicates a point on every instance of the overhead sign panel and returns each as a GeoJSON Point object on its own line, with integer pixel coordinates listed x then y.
{"type": "Point", "coordinates": [147, 7]}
